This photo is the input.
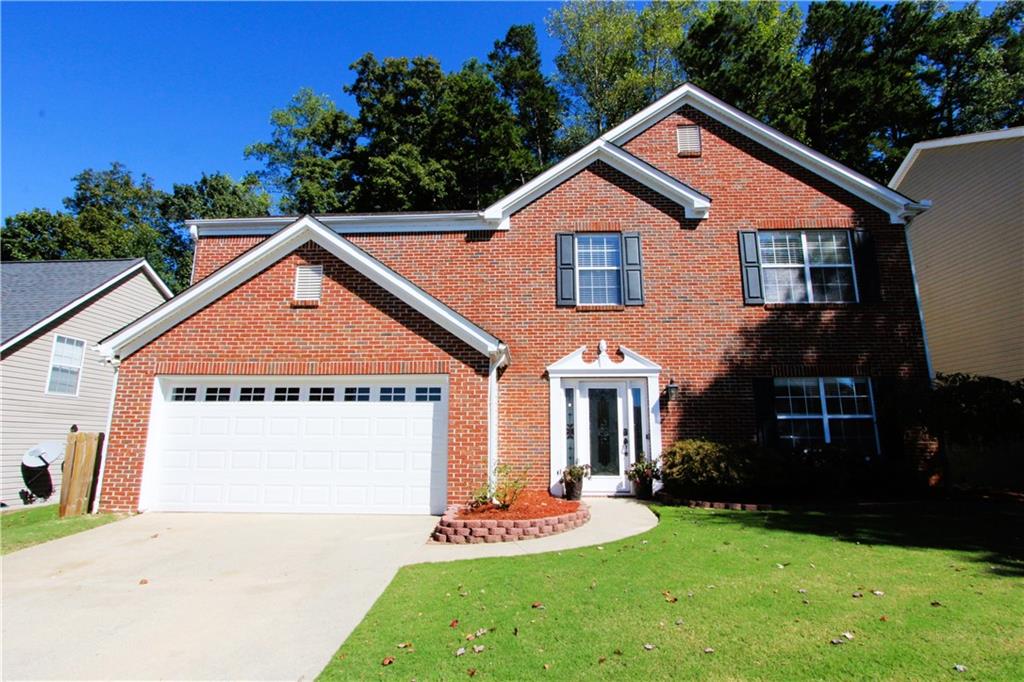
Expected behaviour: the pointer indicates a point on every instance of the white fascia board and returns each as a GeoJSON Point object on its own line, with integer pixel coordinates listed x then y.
{"type": "Point", "coordinates": [455, 221]}
{"type": "Point", "coordinates": [101, 289]}
{"type": "Point", "coordinates": [972, 138]}
{"type": "Point", "coordinates": [148, 327]}
{"type": "Point", "coordinates": [695, 204]}
{"type": "Point", "coordinates": [896, 205]}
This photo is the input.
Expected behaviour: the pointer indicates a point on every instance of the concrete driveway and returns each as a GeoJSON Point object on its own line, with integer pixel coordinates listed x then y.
{"type": "Point", "coordinates": [228, 596]}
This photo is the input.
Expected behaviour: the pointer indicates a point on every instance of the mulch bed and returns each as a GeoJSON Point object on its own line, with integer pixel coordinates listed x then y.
{"type": "Point", "coordinates": [532, 504]}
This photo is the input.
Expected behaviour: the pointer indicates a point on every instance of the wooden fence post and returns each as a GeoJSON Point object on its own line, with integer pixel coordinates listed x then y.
{"type": "Point", "coordinates": [80, 458]}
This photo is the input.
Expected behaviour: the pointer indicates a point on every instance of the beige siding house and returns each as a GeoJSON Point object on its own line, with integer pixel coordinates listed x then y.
{"type": "Point", "coordinates": [968, 250]}
{"type": "Point", "coordinates": [53, 314]}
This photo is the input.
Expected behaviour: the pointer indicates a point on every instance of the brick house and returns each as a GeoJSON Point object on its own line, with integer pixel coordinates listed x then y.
{"type": "Point", "coordinates": [692, 272]}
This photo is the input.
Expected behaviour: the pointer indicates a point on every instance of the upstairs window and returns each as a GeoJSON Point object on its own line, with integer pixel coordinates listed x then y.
{"type": "Point", "coordinates": [599, 268]}
{"type": "Point", "coordinates": [815, 266]}
{"type": "Point", "coordinates": [65, 365]}
{"type": "Point", "coordinates": [309, 281]}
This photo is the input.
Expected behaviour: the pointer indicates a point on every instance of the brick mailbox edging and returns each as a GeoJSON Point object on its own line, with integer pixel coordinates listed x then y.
{"type": "Point", "coordinates": [473, 531]}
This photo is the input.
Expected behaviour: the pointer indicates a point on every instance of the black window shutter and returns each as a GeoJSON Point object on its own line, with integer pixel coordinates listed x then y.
{"type": "Point", "coordinates": [632, 269]}
{"type": "Point", "coordinates": [750, 269]}
{"type": "Point", "coordinates": [865, 262]}
{"type": "Point", "coordinates": [764, 412]}
{"type": "Point", "coordinates": [565, 268]}
{"type": "Point", "coordinates": [889, 415]}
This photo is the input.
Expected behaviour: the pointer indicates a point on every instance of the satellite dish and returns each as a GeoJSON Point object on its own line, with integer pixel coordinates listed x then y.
{"type": "Point", "coordinates": [35, 469]}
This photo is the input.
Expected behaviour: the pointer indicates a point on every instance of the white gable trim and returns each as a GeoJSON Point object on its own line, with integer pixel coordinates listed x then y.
{"type": "Point", "coordinates": [972, 138]}
{"type": "Point", "coordinates": [899, 207]}
{"type": "Point", "coordinates": [696, 205]}
{"type": "Point", "coordinates": [114, 281]}
{"type": "Point", "coordinates": [632, 364]}
{"type": "Point", "coordinates": [145, 329]}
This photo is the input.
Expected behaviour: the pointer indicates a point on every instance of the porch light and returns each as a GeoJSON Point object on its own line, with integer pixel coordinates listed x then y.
{"type": "Point", "coordinates": [672, 391]}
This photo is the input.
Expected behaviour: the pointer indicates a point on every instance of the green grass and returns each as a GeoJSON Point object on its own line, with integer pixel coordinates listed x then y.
{"type": "Point", "coordinates": [21, 529]}
{"type": "Point", "coordinates": [737, 576]}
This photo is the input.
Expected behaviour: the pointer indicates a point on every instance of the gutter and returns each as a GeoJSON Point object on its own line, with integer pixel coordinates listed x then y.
{"type": "Point", "coordinates": [500, 358]}
{"type": "Point", "coordinates": [115, 363]}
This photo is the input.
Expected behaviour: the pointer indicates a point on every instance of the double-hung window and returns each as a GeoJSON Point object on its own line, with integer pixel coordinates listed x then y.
{"type": "Point", "coordinates": [812, 411]}
{"type": "Point", "coordinates": [65, 365]}
{"type": "Point", "coordinates": [599, 269]}
{"type": "Point", "coordinates": [815, 266]}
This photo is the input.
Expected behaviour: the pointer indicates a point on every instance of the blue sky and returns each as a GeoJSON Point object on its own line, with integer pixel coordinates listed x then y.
{"type": "Point", "coordinates": [178, 89]}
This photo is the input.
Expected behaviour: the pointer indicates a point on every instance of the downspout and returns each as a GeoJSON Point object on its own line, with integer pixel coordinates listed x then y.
{"type": "Point", "coordinates": [115, 364]}
{"type": "Point", "coordinates": [498, 360]}
{"type": "Point", "coordinates": [917, 299]}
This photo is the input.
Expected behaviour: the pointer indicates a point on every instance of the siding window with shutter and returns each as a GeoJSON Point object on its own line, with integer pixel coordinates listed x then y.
{"type": "Point", "coordinates": [813, 266]}
{"type": "Point", "coordinates": [599, 269]}
{"type": "Point", "coordinates": [308, 282]}
{"type": "Point", "coordinates": [688, 140]}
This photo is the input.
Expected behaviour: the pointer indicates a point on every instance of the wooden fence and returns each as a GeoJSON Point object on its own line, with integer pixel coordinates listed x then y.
{"type": "Point", "coordinates": [80, 469]}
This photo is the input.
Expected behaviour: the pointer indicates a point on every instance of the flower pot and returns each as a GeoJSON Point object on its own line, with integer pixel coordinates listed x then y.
{"type": "Point", "coordinates": [572, 489]}
{"type": "Point", "coordinates": [644, 489]}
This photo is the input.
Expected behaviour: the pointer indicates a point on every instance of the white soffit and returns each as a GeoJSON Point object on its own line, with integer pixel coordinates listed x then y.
{"type": "Point", "coordinates": [125, 342]}
{"type": "Point", "coordinates": [899, 207]}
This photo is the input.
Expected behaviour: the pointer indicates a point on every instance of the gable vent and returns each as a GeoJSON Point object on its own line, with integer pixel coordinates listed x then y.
{"type": "Point", "coordinates": [688, 140]}
{"type": "Point", "coordinates": [308, 282]}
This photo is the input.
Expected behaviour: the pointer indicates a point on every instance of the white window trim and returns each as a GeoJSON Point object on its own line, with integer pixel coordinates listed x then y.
{"type": "Point", "coordinates": [824, 415]}
{"type": "Point", "coordinates": [579, 269]}
{"type": "Point", "coordinates": [808, 266]}
{"type": "Point", "coordinates": [80, 368]}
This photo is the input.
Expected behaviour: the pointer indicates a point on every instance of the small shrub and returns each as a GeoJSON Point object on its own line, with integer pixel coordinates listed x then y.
{"type": "Point", "coordinates": [508, 485]}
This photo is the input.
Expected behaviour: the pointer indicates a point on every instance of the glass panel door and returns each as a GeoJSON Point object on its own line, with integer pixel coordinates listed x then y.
{"type": "Point", "coordinates": [604, 431]}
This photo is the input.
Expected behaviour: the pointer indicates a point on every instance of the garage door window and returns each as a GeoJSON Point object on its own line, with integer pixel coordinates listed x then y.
{"type": "Point", "coordinates": [321, 394]}
{"type": "Point", "coordinates": [428, 394]}
{"type": "Point", "coordinates": [186, 394]}
{"type": "Point", "coordinates": [392, 394]}
{"type": "Point", "coordinates": [357, 394]}
{"type": "Point", "coordinates": [252, 394]}
{"type": "Point", "coordinates": [286, 393]}
{"type": "Point", "coordinates": [217, 394]}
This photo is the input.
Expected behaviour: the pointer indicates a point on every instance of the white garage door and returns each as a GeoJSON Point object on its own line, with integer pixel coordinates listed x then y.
{"type": "Point", "coordinates": [331, 445]}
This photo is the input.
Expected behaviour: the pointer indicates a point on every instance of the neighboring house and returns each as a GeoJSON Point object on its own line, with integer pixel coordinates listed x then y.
{"type": "Point", "coordinates": [968, 249]}
{"type": "Point", "coordinates": [53, 313]}
{"type": "Point", "coordinates": [691, 273]}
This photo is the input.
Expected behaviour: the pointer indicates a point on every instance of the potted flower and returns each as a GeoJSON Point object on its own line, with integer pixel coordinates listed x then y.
{"type": "Point", "coordinates": [643, 473]}
{"type": "Point", "coordinates": [572, 480]}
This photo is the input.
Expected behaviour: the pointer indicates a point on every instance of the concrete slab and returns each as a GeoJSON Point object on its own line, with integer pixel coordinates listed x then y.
{"type": "Point", "coordinates": [611, 518]}
{"type": "Point", "coordinates": [226, 596]}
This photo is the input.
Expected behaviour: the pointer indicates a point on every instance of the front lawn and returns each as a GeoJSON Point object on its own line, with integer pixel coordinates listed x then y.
{"type": "Point", "coordinates": [721, 595]}
{"type": "Point", "coordinates": [20, 529]}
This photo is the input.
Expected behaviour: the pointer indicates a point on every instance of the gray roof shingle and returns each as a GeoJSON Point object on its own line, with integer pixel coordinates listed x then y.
{"type": "Point", "coordinates": [31, 291]}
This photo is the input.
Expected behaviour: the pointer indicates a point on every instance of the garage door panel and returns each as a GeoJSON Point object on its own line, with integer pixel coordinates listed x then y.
{"type": "Point", "coordinates": [299, 456]}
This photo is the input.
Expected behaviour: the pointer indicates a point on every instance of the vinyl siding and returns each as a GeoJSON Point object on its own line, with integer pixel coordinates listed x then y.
{"type": "Point", "coordinates": [29, 414]}
{"type": "Point", "coordinates": [969, 254]}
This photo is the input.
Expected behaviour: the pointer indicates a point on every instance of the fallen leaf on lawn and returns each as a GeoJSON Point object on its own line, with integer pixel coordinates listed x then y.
{"type": "Point", "coordinates": [936, 603]}
{"type": "Point", "coordinates": [857, 595]}
{"type": "Point", "coordinates": [780, 566]}
{"type": "Point", "coordinates": [471, 672]}
{"type": "Point", "coordinates": [644, 542]}
{"type": "Point", "coordinates": [460, 651]}
{"type": "Point", "coordinates": [689, 594]}
{"type": "Point", "coordinates": [669, 597]}
{"type": "Point", "coordinates": [960, 668]}
{"type": "Point", "coordinates": [454, 623]}
{"type": "Point", "coordinates": [878, 593]}
{"type": "Point", "coordinates": [470, 637]}
{"type": "Point", "coordinates": [884, 619]}
{"type": "Point", "coordinates": [143, 582]}
{"type": "Point", "coordinates": [601, 660]}
{"type": "Point", "coordinates": [537, 605]}
{"type": "Point", "coordinates": [708, 650]}
{"type": "Point", "coordinates": [807, 601]}
{"type": "Point", "coordinates": [478, 649]}
{"type": "Point", "coordinates": [600, 548]}
{"type": "Point", "coordinates": [848, 635]}
{"type": "Point", "coordinates": [837, 641]}
{"type": "Point", "coordinates": [679, 621]}
{"type": "Point", "coordinates": [802, 591]}
{"type": "Point", "coordinates": [515, 632]}
{"type": "Point", "coordinates": [405, 645]}
{"type": "Point", "coordinates": [388, 661]}
{"type": "Point", "coordinates": [617, 652]}
{"type": "Point", "coordinates": [649, 647]}
{"type": "Point", "coordinates": [547, 666]}
{"type": "Point", "coordinates": [593, 584]}
{"type": "Point", "coordinates": [481, 632]}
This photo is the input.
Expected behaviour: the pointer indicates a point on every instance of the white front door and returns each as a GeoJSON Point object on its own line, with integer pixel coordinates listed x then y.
{"type": "Point", "coordinates": [612, 433]}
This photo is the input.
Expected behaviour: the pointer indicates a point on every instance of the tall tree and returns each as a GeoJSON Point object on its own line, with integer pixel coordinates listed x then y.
{"type": "Point", "coordinates": [516, 67]}
{"type": "Point", "coordinates": [111, 215]}
{"type": "Point", "coordinates": [746, 54]}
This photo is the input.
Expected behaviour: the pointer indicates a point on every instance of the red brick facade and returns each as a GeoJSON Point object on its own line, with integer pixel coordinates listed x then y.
{"type": "Point", "coordinates": [693, 323]}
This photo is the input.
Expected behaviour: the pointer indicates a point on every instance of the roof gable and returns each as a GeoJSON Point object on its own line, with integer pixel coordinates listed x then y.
{"type": "Point", "coordinates": [133, 337]}
{"type": "Point", "coordinates": [34, 293]}
{"type": "Point", "coordinates": [973, 138]}
{"type": "Point", "coordinates": [899, 207]}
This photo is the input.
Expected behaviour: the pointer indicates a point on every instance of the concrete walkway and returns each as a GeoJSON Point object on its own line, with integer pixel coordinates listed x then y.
{"type": "Point", "coordinates": [226, 596]}
{"type": "Point", "coordinates": [611, 518]}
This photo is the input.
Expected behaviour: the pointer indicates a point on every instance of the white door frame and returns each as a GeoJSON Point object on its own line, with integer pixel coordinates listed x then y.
{"type": "Point", "coordinates": [633, 371]}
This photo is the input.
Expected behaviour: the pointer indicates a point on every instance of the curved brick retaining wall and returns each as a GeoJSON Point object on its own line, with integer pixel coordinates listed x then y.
{"type": "Point", "coordinates": [463, 531]}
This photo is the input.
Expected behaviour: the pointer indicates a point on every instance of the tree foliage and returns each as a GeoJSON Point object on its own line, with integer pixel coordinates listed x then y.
{"type": "Point", "coordinates": [110, 214]}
